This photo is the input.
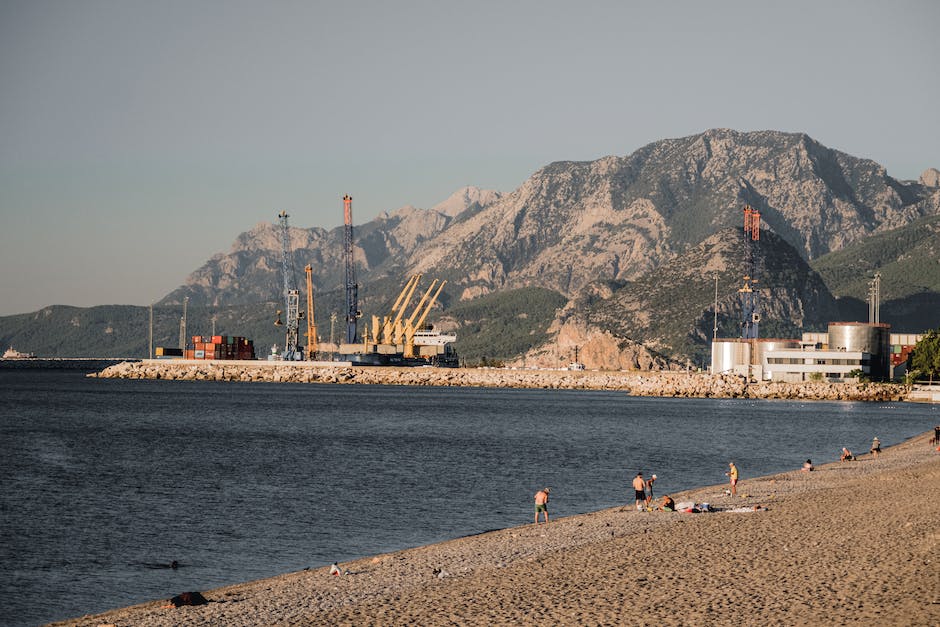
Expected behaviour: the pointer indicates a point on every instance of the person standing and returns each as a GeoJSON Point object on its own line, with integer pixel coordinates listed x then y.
{"type": "Point", "coordinates": [649, 491]}
{"type": "Point", "coordinates": [733, 477]}
{"type": "Point", "coordinates": [639, 491]}
{"type": "Point", "coordinates": [541, 504]}
{"type": "Point", "coordinates": [875, 446]}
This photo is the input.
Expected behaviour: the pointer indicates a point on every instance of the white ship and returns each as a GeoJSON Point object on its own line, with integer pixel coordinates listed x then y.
{"type": "Point", "coordinates": [12, 353]}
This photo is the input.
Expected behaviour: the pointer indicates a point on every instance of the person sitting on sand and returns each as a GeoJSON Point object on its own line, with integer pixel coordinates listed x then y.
{"type": "Point", "coordinates": [808, 465]}
{"type": "Point", "coordinates": [846, 455]}
{"type": "Point", "coordinates": [668, 505]}
{"type": "Point", "coordinates": [541, 504]}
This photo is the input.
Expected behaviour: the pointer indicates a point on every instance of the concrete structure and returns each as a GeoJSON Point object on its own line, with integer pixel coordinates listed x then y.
{"type": "Point", "coordinates": [805, 363]}
{"type": "Point", "coordinates": [848, 349]}
{"type": "Point", "coordinates": [868, 337]}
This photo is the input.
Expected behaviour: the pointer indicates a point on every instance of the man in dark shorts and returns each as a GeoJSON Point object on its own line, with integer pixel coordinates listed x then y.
{"type": "Point", "coordinates": [541, 504]}
{"type": "Point", "coordinates": [639, 489]}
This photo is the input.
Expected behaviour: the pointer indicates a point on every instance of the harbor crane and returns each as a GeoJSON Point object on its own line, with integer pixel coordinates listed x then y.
{"type": "Point", "coordinates": [352, 288]}
{"type": "Point", "coordinates": [291, 294]}
{"type": "Point", "coordinates": [311, 322]}
{"type": "Point", "coordinates": [750, 297]}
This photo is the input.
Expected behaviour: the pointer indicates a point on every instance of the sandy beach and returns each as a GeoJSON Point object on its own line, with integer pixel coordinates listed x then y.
{"type": "Point", "coordinates": [850, 543]}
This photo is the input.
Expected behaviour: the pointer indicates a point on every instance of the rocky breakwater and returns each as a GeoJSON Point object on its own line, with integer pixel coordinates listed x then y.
{"type": "Point", "coordinates": [661, 383]}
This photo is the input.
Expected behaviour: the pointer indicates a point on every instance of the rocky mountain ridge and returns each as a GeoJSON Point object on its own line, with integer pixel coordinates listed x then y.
{"type": "Point", "coordinates": [631, 244]}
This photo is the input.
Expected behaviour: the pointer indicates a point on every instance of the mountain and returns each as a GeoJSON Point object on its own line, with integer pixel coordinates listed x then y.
{"type": "Point", "coordinates": [908, 262]}
{"type": "Point", "coordinates": [672, 309]}
{"type": "Point", "coordinates": [617, 218]}
{"type": "Point", "coordinates": [616, 256]}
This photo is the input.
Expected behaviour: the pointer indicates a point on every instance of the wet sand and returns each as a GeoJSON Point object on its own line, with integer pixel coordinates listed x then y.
{"type": "Point", "coordinates": [850, 543]}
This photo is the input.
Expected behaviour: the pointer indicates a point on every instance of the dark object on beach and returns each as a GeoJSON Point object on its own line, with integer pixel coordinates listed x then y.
{"type": "Point", "coordinates": [189, 598]}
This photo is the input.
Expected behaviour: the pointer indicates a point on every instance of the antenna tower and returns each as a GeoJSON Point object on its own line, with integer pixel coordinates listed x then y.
{"type": "Point", "coordinates": [750, 297]}
{"type": "Point", "coordinates": [183, 324]}
{"type": "Point", "coordinates": [874, 299]}
{"type": "Point", "coordinates": [291, 294]}
{"type": "Point", "coordinates": [352, 288]}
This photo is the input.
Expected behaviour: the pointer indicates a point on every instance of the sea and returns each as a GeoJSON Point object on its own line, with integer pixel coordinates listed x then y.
{"type": "Point", "coordinates": [106, 483]}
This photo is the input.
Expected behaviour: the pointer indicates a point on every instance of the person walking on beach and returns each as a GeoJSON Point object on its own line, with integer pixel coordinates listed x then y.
{"type": "Point", "coordinates": [733, 476]}
{"type": "Point", "coordinates": [875, 446]}
{"type": "Point", "coordinates": [639, 491]}
{"type": "Point", "coordinates": [649, 491]}
{"type": "Point", "coordinates": [541, 504]}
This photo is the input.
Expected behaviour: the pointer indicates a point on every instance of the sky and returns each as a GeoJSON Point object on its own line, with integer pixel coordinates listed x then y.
{"type": "Point", "coordinates": [138, 138]}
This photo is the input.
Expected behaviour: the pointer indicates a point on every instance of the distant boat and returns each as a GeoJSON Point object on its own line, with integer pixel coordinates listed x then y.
{"type": "Point", "coordinates": [12, 353]}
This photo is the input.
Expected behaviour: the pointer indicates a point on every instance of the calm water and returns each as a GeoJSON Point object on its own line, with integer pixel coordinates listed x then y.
{"type": "Point", "coordinates": [106, 482]}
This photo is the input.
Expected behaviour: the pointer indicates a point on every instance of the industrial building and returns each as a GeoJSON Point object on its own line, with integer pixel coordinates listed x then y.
{"type": "Point", "coordinates": [848, 348]}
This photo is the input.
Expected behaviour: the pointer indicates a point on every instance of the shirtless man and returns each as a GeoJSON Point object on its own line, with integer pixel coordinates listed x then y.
{"type": "Point", "coordinates": [541, 504]}
{"type": "Point", "coordinates": [733, 476]}
{"type": "Point", "coordinates": [639, 489]}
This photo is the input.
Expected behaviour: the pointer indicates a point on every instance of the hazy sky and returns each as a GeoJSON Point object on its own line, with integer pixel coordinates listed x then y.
{"type": "Point", "coordinates": [137, 139]}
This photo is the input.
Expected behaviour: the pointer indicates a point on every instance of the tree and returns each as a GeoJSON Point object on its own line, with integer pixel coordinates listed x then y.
{"type": "Point", "coordinates": [925, 358]}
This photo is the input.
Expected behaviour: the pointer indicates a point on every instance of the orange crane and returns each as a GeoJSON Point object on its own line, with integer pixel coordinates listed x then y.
{"type": "Point", "coordinates": [311, 323]}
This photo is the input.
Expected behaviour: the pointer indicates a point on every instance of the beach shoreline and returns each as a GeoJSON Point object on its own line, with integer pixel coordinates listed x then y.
{"type": "Point", "coordinates": [849, 542]}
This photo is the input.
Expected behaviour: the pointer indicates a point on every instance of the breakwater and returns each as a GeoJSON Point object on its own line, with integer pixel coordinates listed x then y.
{"type": "Point", "coordinates": [637, 383]}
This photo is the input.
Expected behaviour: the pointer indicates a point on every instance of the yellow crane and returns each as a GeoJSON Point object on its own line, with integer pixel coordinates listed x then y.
{"type": "Point", "coordinates": [411, 326]}
{"type": "Point", "coordinates": [400, 304]}
{"type": "Point", "coordinates": [311, 323]}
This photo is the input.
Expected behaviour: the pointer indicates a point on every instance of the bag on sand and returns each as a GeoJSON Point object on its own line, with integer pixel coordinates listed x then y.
{"type": "Point", "coordinates": [188, 598]}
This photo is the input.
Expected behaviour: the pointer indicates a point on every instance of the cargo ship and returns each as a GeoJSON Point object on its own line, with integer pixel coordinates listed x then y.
{"type": "Point", "coordinates": [427, 348]}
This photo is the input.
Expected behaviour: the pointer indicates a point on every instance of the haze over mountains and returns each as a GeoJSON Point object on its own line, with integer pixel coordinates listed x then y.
{"type": "Point", "coordinates": [616, 256]}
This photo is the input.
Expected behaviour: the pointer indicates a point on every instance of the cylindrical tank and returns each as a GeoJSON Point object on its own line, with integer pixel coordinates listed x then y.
{"type": "Point", "coordinates": [867, 337]}
{"type": "Point", "coordinates": [764, 345]}
{"type": "Point", "coordinates": [727, 355]}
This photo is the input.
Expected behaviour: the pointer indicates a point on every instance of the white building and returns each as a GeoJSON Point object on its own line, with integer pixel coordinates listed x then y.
{"type": "Point", "coordinates": [847, 350]}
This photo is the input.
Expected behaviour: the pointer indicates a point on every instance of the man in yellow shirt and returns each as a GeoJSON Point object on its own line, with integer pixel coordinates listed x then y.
{"type": "Point", "coordinates": [733, 476]}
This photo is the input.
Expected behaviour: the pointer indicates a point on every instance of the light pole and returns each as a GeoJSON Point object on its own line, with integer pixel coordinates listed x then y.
{"type": "Point", "coordinates": [332, 341]}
